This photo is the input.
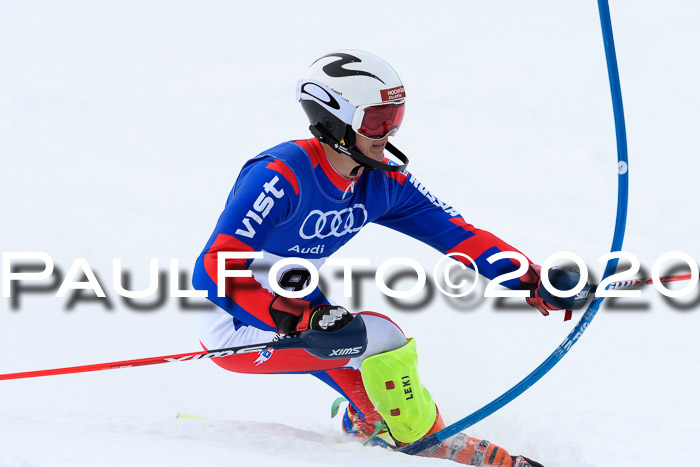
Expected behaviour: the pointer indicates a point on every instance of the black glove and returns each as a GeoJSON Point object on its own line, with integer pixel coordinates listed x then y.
{"type": "Point", "coordinates": [292, 315]}
{"type": "Point", "coordinates": [329, 318]}
{"type": "Point", "coordinates": [562, 279]}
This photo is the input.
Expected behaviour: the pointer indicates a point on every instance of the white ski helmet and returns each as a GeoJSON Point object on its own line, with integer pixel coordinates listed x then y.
{"type": "Point", "coordinates": [351, 91]}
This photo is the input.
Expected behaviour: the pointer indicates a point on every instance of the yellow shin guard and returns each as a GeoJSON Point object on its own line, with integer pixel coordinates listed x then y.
{"type": "Point", "coordinates": [392, 384]}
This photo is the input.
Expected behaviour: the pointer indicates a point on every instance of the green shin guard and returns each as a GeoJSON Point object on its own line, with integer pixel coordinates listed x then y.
{"type": "Point", "coordinates": [392, 384]}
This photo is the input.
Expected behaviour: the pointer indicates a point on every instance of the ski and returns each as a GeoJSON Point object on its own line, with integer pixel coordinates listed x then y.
{"type": "Point", "coordinates": [185, 416]}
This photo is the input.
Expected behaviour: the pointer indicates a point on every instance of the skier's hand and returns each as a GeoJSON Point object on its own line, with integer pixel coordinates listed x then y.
{"type": "Point", "coordinates": [292, 315]}
{"type": "Point", "coordinates": [329, 318]}
{"type": "Point", "coordinates": [560, 278]}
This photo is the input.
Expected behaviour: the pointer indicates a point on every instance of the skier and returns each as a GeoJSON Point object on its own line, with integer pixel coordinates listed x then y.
{"type": "Point", "coordinates": [307, 198]}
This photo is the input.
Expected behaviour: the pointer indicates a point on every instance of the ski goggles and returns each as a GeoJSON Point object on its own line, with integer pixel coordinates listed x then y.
{"type": "Point", "coordinates": [378, 121]}
{"type": "Point", "coordinates": [373, 121]}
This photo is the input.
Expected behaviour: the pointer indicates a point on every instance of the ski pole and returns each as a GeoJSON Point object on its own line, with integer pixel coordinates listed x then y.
{"type": "Point", "coordinates": [347, 342]}
{"type": "Point", "coordinates": [630, 283]}
{"type": "Point", "coordinates": [152, 360]}
{"type": "Point", "coordinates": [635, 282]}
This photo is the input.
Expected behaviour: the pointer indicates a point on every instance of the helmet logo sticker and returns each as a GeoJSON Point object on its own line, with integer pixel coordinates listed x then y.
{"type": "Point", "coordinates": [393, 93]}
{"type": "Point", "coordinates": [331, 102]}
{"type": "Point", "coordinates": [335, 69]}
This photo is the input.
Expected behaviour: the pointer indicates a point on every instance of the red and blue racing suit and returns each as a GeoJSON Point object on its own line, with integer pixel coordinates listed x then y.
{"type": "Point", "coordinates": [289, 202]}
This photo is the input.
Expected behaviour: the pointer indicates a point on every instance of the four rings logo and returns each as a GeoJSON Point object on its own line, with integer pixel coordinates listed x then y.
{"type": "Point", "coordinates": [320, 224]}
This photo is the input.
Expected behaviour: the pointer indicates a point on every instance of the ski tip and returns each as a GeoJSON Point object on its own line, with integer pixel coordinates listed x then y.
{"type": "Point", "coordinates": [336, 406]}
{"type": "Point", "coordinates": [184, 416]}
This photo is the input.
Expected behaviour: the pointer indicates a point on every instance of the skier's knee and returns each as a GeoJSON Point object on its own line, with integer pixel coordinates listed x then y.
{"type": "Point", "coordinates": [393, 386]}
{"type": "Point", "coordinates": [383, 335]}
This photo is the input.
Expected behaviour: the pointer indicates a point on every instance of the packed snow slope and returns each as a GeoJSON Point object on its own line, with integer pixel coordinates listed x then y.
{"type": "Point", "coordinates": [124, 124]}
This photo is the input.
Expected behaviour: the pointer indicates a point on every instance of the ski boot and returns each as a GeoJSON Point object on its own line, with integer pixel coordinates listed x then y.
{"type": "Point", "coordinates": [373, 434]}
{"type": "Point", "coordinates": [466, 450]}
{"type": "Point", "coordinates": [460, 448]}
{"type": "Point", "coordinates": [409, 413]}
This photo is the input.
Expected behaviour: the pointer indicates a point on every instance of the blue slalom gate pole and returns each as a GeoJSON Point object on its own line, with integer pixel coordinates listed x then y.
{"type": "Point", "coordinates": [618, 236]}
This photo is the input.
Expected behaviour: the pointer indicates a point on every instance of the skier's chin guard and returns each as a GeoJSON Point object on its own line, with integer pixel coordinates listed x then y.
{"type": "Point", "coordinates": [349, 341]}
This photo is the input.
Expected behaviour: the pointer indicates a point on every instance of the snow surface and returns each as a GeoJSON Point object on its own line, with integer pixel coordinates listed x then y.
{"type": "Point", "coordinates": [123, 125]}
